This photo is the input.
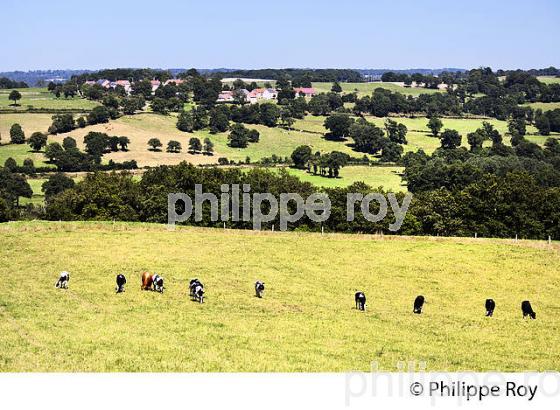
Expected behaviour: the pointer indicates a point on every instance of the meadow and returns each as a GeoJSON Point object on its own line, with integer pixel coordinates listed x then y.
{"type": "Point", "coordinates": [41, 98]}
{"type": "Point", "coordinates": [306, 321]}
{"type": "Point", "coordinates": [363, 89]}
{"type": "Point", "coordinates": [387, 177]}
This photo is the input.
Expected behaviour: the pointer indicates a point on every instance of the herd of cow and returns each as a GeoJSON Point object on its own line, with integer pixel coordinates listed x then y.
{"type": "Point", "coordinates": [196, 290]}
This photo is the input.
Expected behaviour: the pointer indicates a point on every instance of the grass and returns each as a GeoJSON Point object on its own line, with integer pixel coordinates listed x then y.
{"type": "Point", "coordinates": [386, 177]}
{"type": "Point", "coordinates": [548, 79]}
{"type": "Point", "coordinates": [43, 99]}
{"type": "Point", "coordinates": [364, 89]}
{"type": "Point", "coordinates": [20, 152]}
{"type": "Point", "coordinates": [38, 195]}
{"type": "Point", "coordinates": [306, 320]}
{"type": "Point", "coordinates": [543, 106]}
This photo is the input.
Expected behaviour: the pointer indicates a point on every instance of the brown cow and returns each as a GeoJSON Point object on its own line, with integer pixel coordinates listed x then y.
{"type": "Point", "coordinates": [147, 281]}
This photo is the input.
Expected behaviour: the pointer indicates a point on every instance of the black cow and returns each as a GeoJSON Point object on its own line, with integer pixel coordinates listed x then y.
{"type": "Point", "coordinates": [528, 310]}
{"type": "Point", "coordinates": [360, 299]}
{"type": "Point", "coordinates": [490, 306]}
{"type": "Point", "coordinates": [121, 281]}
{"type": "Point", "coordinates": [418, 304]}
{"type": "Point", "coordinates": [63, 280]}
{"type": "Point", "coordinates": [259, 288]}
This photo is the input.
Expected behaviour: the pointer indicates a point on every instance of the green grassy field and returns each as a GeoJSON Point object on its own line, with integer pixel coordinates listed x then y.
{"type": "Point", "coordinates": [386, 177]}
{"type": "Point", "coordinates": [548, 79]}
{"type": "Point", "coordinates": [42, 98]}
{"type": "Point", "coordinates": [543, 106]}
{"type": "Point", "coordinates": [306, 320]}
{"type": "Point", "coordinates": [38, 195]}
{"type": "Point", "coordinates": [364, 89]}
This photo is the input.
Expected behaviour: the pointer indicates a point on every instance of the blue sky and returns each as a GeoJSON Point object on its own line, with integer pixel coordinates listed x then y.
{"type": "Point", "coordinates": [258, 34]}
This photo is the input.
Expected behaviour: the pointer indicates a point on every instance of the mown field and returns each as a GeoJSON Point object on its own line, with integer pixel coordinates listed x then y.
{"type": "Point", "coordinates": [363, 89]}
{"type": "Point", "coordinates": [43, 99]}
{"type": "Point", "coordinates": [305, 322]}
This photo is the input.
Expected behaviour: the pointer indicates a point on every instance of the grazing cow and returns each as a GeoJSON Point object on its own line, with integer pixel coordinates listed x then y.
{"type": "Point", "coordinates": [198, 293]}
{"type": "Point", "coordinates": [360, 299]}
{"type": "Point", "coordinates": [147, 281]}
{"type": "Point", "coordinates": [490, 306]}
{"type": "Point", "coordinates": [418, 303]}
{"type": "Point", "coordinates": [259, 288]}
{"type": "Point", "coordinates": [157, 282]}
{"type": "Point", "coordinates": [192, 285]}
{"type": "Point", "coordinates": [528, 310]}
{"type": "Point", "coordinates": [63, 280]}
{"type": "Point", "coordinates": [121, 281]}
{"type": "Point", "coordinates": [196, 290]}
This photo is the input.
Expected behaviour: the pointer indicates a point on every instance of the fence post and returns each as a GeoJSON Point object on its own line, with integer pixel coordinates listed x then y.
{"type": "Point", "coordinates": [272, 227]}
{"type": "Point", "coordinates": [515, 237]}
{"type": "Point", "coordinates": [549, 240]}
{"type": "Point", "coordinates": [224, 225]}
{"type": "Point", "coordinates": [322, 229]}
{"type": "Point", "coordinates": [475, 235]}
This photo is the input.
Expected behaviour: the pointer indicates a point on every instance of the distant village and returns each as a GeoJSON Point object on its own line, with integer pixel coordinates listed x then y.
{"type": "Point", "coordinates": [254, 96]}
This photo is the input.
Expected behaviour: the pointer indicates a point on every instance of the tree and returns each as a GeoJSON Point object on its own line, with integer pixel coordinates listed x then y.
{"type": "Point", "coordinates": [56, 184]}
{"type": "Point", "coordinates": [339, 125]}
{"type": "Point", "coordinates": [238, 137]}
{"type": "Point", "coordinates": [301, 156]}
{"type": "Point", "coordinates": [17, 135]}
{"type": "Point", "coordinates": [28, 166]}
{"type": "Point", "coordinates": [450, 139]}
{"type": "Point", "coordinates": [81, 122]}
{"type": "Point", "coordinates": [69, 143]}
{"type": "Point", "coordinates": [367, 137]}
{"type": "Point", "coordinates": [208, 147]}
{"type": "Point", "coordinates": [160, 106]}
{"type": "Point", "coordinates": [475, 140]}
{"type": "Point", "coordinates": [395, 131]}
{"type": "Point", "coordinates": [15, 95]}
{"type": "Point", "coordinates": [516, 127]}
{"type": "Point", "coordinates": [53, 152]}
{"type": "Point", "coordinates": [287, 118]}
{"type": "Point", "coordinates": [269, 114]}
{"type": "Point", "coordinates": [490, 133]}
{"type": "Point", "coordinates": [219, 119]}
{"type": "Point", "coordinates": [336, 88]}
{"type": "Point", "coordinates": [62, 123]}
{"type": "Point", "coordinates": [253, 135]}
{"type": "Point", "coordinates": [113, 143]}
{"type": "Point", "coordinates": [435, 124]}
{"type": "Point", "coordinates": [174, 146]}
{"type": "Point", "coordinates": [37, 141]}
{"type": "Point", "coordinates": [10, 164]}
{"type": "Point", "coordinates": [96, 143]}
{"type": "Point", "coordinates": [98, 115]}
{"type": "Point", "coordinates": [543, 124]}
{"type": "Point", "coordinates": [391, 152]}
{"type": "Point", "coordinates": [123, 143]}
{"type": "Point", "coordinates": [185, 121]}
{"type": "Point", "coordinates": [155, 144]}
{"type": "Point", "coordinates": [194, 145]}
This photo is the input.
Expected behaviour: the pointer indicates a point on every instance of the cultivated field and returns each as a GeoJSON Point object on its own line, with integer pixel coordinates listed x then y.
{"type": "Point", "coordinates": [306, 321]}
{"type": "Point", "coordinates": [548, 79]}
{"type": "Point", "coordinates": [41, 98]}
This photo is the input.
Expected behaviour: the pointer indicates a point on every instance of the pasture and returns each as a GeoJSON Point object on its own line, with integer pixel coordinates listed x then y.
{"type": "Point", "coordinates": [363, 89]}
{"type": "Point", "coordinates": [306, 321]}
{"type": "Point", "coordinates": [41, 98]}
{"type": "Point", "coordinates": [387, 177]}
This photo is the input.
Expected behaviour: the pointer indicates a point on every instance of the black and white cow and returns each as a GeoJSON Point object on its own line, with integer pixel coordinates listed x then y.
{"type": "Point", "coordinates": [63, 280]}
{"type": "Point", "coordinates": [196, 290]}
{"type": "Point", "coordinates": [490, 306]}
{"type": "Point", "coordinates": [192, 285]}
{"type": "Point", "coordinates": [528, 310]}
{"type": "Point", "coordinates": [360, 299]}
{"type": "Point", "coordinates": [259, 288]}
{"type": "Point", "coordinates": [157, 283]}
{"type": "Point", "coordinates": [121, 281]}
{"type": "Point", "coordinates": [418, 304]}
